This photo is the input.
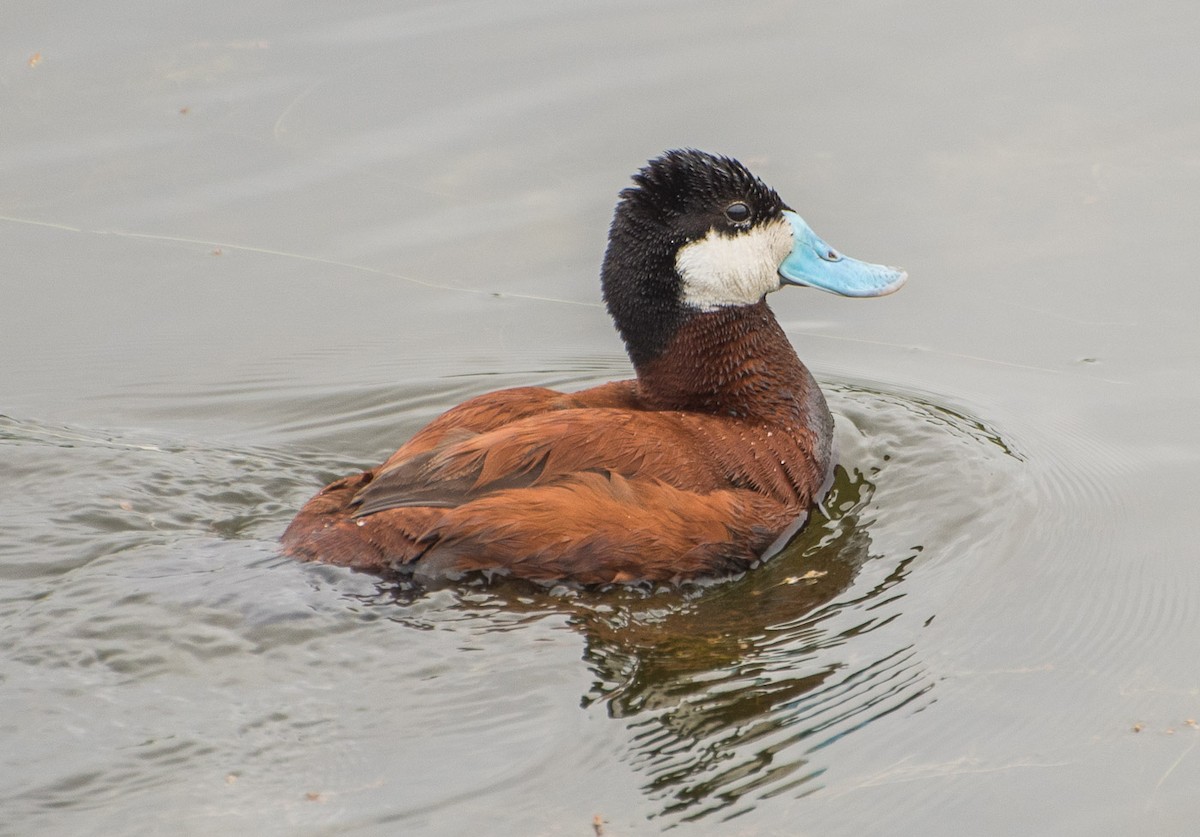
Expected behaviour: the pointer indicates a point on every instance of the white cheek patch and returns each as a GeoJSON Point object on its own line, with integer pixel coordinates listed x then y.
{"type": "Point", "coordinates": [722, 270]}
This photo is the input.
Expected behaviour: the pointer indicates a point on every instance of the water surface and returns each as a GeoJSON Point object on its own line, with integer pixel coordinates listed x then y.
{"type": "Point", "coordinates": [248, 249]}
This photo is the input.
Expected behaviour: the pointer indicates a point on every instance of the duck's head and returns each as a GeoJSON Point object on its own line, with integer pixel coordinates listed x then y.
{"type": "Point", "coordinates": [698, 232]}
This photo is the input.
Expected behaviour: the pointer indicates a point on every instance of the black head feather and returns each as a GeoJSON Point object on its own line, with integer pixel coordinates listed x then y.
{"type": "Point", "coordinates": [677, 198]}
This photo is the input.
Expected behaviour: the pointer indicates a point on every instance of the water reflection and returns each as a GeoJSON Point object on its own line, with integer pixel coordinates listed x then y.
{"type": "Point", "coordinates": [728, 690]}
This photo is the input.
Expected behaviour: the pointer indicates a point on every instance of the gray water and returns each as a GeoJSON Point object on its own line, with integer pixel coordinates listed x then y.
{"type": "Point", "coordinates": [250, 247]}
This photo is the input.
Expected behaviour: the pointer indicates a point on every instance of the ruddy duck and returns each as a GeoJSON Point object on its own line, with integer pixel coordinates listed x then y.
{"type": "Point", "coordinates": [721, 443]}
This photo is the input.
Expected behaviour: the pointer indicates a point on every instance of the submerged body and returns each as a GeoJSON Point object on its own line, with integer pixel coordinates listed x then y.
{"type": "Point", "coordinates": [721, 443]}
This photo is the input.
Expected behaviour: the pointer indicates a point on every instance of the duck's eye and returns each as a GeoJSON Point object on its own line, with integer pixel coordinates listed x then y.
{"type": "Point", "coordinates": [738, 212]}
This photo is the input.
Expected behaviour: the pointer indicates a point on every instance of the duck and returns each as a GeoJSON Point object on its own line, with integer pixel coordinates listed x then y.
{"type": "Point", "coordinates": [698, 466]}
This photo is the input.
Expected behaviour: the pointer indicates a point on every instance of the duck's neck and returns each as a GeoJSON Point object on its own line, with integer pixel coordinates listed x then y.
{"type": "Point", "coordinates": [735, 362]}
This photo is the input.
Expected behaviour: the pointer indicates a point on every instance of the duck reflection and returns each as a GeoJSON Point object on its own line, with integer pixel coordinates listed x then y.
{"type": "Point", "coordinates": [728, 689]}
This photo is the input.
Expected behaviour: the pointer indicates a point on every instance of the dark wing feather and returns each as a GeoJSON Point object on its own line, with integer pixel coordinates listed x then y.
{"type": "Point", "coordinates": [419, 482]}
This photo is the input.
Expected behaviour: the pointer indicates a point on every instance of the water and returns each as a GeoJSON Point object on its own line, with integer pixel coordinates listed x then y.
{"type": "Point", "coordinates": [249, 249]}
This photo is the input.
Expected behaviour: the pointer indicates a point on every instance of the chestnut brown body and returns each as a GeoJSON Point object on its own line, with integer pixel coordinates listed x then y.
{"type": "Point", "coordinates": [692, 470]}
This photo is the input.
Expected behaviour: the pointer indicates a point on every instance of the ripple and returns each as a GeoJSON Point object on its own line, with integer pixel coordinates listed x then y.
{"type": "Point", "coordinates": [1089, 590]}
{"type": "Point", "coordinates": [158, 577]}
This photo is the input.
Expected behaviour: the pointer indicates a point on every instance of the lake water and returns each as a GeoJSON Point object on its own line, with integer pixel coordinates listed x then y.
{"type": "Point", "coordinates": [251, 247]}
